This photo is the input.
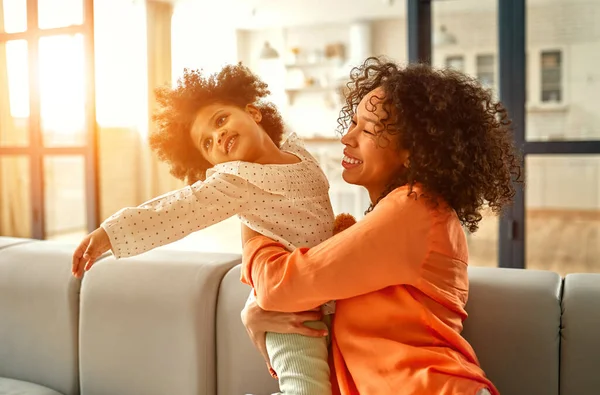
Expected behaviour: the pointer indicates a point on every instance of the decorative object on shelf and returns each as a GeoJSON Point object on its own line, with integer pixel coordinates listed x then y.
{"type": "Point", "coordinates": [268, 52]}
{"type": "Point", "coordinates": [294, 55]}
{"type": "Point", "coordinates": [310, 81]}
{"type": "Point", "coordinates": [336, 51]}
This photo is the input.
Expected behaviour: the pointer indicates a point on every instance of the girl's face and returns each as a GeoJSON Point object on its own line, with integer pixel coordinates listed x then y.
{"type": "Point", "coordinates": [372, 157]}
{"type": "Point", "coordinates": [225, 133]}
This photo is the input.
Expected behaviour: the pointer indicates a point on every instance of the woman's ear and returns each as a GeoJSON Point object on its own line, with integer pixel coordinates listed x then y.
{"type": "Point", "coordinates": [404, 158]}
{"type": "Point", "coordinates": [254, 112]}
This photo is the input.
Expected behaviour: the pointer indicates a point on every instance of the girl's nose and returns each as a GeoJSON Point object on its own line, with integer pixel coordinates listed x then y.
{"type": "Point", "coordinates": [220, 138]}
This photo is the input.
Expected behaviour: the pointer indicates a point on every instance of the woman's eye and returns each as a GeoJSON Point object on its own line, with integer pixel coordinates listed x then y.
{"type": "Point", "coordinates": [221, 120]}
{"type": "Point", "coordinates": [367, 132]}
{"type": "Point", "coordinates": [207, 143]}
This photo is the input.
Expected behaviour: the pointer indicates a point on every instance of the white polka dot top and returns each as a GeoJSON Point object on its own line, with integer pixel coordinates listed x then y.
{"type": "Point", "coordinates": [288, 203]}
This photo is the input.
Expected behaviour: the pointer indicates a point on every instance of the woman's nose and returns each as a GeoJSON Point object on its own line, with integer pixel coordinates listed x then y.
{"type": "Point", "coordinates": [348, 139]}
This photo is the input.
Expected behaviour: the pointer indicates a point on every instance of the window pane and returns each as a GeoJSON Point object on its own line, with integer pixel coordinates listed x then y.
{"type": "Point", "coordinates": [13, 16]}
{"type": "Point", "coordinates": [62, 90]}
{"type": "Point", "coordinates": [563, 213]}
{"type": "Point", "coordinates": [455, 62]}
{"type": "Point", "coordinates": [483, 244]}
{"type": "Point", "coordinates": [64, 197]}
{"type": "Point", "coordinates": [15, 196]}
{"type": "Point", "coordinates": [59, 13]}
{"type": "Point", "coordinates": [14, 94]}
{"type": "Point", "coordinates": [563, 80]}
{"type": "Point", "coordinates": [551, 77]}
{"type": "Point", "coordinates": [465, 38]}
{"type": "Point", "coordinates": [486, 70]}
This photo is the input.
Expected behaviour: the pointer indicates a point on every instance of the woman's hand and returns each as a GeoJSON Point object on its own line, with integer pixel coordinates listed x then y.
{"type": "Point", "coordinates": [258, 321]}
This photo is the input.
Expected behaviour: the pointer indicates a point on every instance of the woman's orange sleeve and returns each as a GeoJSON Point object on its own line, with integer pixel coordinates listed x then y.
{"type": "Point", "coordinates": [386, 248]}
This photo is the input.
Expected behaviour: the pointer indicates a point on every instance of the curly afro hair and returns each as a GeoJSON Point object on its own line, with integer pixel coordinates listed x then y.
{"type": "Point", "coordinates": [177, 108]}
{"type": "Point", "coordinates": [459, 139]}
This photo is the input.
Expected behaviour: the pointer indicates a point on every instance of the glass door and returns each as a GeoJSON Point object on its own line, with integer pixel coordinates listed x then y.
{"type": "Point", "coordinates": [48, 171]}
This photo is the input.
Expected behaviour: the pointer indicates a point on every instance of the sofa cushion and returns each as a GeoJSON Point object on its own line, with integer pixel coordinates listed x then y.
{"type": "Point", "coordinates": [39, 312]}
{"type": "Point", "coordinates": [148, 323]}
{"type": "Point", "coordinates": [580, 346]}
{"type": "Point", "coordinates": [240, 367]}
{"type": "Point", "coordinates": [17, 387]}
{"type": "Point", "coordinates": [514, 327]}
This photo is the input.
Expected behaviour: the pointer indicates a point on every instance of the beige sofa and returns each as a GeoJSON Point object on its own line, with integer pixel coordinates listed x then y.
{"type": "Point", "coordinates": [167, 322]}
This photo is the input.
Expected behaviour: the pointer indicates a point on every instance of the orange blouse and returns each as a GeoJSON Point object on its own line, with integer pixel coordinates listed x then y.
{"type": "Point", "coordinates": [399, 277]}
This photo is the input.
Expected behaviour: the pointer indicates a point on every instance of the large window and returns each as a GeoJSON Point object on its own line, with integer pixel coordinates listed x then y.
{"type": "Point", "coordinates": [47, 118]}
{"type": "Point", "coordinates": [555, 220]}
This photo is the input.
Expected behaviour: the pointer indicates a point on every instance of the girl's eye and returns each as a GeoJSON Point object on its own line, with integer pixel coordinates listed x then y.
{"type": "Point", "coordinates": [221, 120]}
{"type": "Point", "coordinates": [207, 143]}
{"type": "Point", "coordinates": [367, 132]}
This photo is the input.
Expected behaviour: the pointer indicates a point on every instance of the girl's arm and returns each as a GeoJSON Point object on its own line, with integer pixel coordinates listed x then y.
{"type": "Point", "coordinates": [176, 214]}
{"type": "Point", "coordinates": [387, 247]}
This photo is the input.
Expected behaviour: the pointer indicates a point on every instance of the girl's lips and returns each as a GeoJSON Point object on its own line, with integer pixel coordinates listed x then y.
{"type": "Point", "coordinates": [230, 143]}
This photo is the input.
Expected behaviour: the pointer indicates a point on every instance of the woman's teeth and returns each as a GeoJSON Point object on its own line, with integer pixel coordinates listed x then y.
{"type": "Point", "coordinates": [351, 161]}
{"type": "Point", "coordinates": [231, 144]}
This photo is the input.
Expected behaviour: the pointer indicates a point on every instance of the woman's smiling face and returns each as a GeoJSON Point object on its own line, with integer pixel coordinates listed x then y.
{"type": "Point", "coordinates": [372, 158]}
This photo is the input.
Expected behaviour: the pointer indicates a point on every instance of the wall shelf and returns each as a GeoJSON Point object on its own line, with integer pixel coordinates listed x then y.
{"type": "Point", "coordinates": [292, 92]}
{"type": "Point", "coordinates": [304, 65]}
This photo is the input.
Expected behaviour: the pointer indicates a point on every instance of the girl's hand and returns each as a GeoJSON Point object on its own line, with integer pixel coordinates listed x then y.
{"type": "Point", "coordinates": [258, 321]}
{"type": "Point", "coordinates": [90, 249]}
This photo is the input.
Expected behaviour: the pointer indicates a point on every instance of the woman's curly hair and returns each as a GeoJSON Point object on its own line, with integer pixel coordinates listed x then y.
{"type": "Point", "coordinates": [177, 108]}
{"type": "Point", "coordinates": [458, 137]}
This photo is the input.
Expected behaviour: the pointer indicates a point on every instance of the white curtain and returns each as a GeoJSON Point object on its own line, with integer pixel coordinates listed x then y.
{"type": "Point", "coordinates": [15, 213]}
{"type": "Point", "coordinates": [156, 179]}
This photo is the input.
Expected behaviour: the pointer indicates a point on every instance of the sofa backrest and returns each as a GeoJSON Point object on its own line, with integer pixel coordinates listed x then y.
{"type": "Point", "coordinates": [240, 367]}
{"type": "Point", "coordinates": [514, 327]}
{"type": "Point", "coordinates": [39, 313]}
{"type": "Point", "coordinates": [147, 323]}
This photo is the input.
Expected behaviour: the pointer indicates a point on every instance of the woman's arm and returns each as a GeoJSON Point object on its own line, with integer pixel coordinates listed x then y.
{"type": "Point", "coordinates": [171, 217]}
{"type": "Point", "coordinates": [386, 248]}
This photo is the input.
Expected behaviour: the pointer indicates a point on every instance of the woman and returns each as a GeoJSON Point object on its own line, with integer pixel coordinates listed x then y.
{"type": "Point", "coordinates": [432, 148]}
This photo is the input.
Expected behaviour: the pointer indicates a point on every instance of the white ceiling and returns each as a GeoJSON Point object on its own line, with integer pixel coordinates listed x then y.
{"type": "Point", "coordinates": [262, 14]}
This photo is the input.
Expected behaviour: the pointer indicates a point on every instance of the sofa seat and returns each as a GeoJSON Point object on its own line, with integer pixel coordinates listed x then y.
{"type": "Point", "coordinates": [18, 387]}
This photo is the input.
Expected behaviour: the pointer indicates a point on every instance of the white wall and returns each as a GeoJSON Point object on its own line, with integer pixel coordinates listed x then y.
{"type": "Point", "coordinates": [314, 113]}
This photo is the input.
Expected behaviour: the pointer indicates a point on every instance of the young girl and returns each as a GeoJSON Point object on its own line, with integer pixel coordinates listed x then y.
{"type": "Point", "coordinates": [217, 134]}
{"type": "Point", "coordinates": [431, 148]}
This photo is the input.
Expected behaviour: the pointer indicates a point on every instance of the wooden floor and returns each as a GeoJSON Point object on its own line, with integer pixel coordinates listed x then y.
{"type": "Point", "coordinates": [558, 241]}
